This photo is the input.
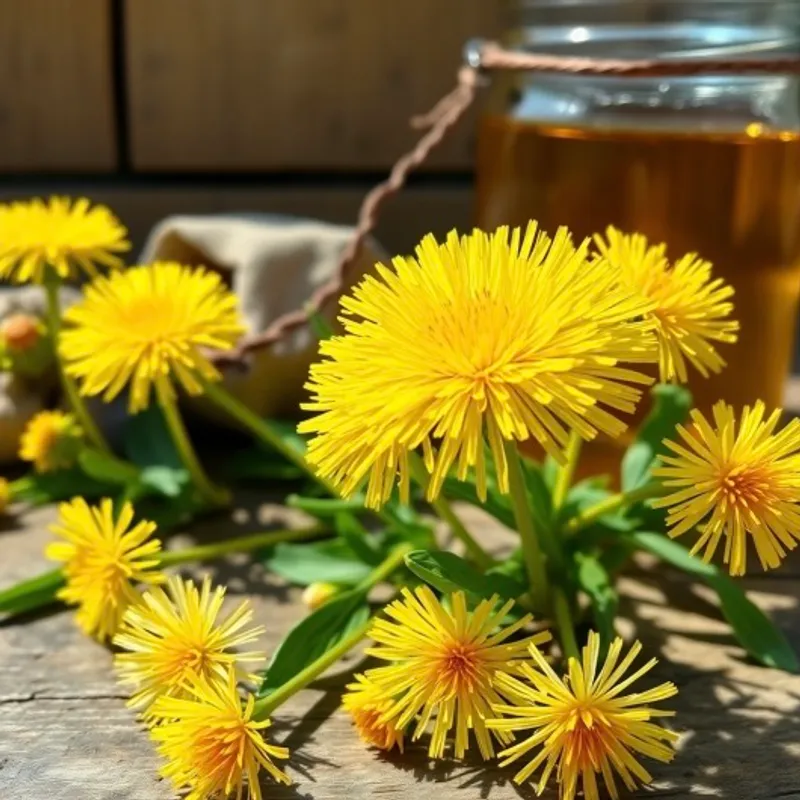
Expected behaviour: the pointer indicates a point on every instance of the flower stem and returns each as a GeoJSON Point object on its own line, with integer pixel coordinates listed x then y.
{"type": "Point", "coordinates": [213, 494]}
{"type": "Point", "coordinates": [241, 544]}
{"type": "Point", "coordinates": [240, 412]}
{"type": "Point", "coordinates": [443, 508]}
{"type": "Point", "coordinates": [267, 705]}
{"type": "Point", "coordinates": [616, 501]}
{"type": "Point", "coordinates": [51, 286]}
{"type": "Point", "coordinates": [566, 627]}
{"type": "Point", "coordinates": [567, 470]}
{"type": "Point", "coordinates": [531, 551]}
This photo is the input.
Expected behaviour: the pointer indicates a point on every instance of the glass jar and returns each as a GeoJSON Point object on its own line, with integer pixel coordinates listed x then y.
{"type": "Point", "coordinates": [708, 164]}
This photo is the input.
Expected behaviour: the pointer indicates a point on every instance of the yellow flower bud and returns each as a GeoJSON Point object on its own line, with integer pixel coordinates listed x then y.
{"type": "Point", "coordinates": [317, 594]}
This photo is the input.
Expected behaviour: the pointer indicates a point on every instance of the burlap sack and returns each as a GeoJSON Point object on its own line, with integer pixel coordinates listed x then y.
{"type": "Point", "coordinates": [274, 265]}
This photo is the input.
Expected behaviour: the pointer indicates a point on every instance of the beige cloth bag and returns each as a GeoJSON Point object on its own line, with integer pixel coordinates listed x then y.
{"type": "Point", "coordinates": [274, 265]}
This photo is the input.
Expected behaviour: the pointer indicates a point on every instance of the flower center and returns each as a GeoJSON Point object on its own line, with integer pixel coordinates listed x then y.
{"type": "Point", "coordinates": [459, 667]}
{"type": "Point", "coordinates": [744, 486]}
{"type": "Point", "coordinates": [587, 739]}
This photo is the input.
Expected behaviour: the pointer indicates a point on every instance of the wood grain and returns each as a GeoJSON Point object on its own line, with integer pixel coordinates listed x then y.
{"type": "Point", "coordinates": [248, 84]}
{"type": "Point", "coordinates": [56, 109]}
{"type": "Point", "coordinates": [65, 732]}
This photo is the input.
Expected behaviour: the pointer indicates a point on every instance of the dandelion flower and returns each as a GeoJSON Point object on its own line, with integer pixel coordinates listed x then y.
{"type": "Point", "coordinates": [584, 726]}
{"type": "Point", "coordinates": [691, 310]}
{"type": "Point", "coordinates": [735, 484]}
{"type": "Point", "coordinates": [212, 744]}
{"type": "Point", "coordinates": [103, 558]}
{"type": "Point", "coordinates": [367, 705]}
{"type": "Point", "coordinates": [170, 635]}
{"type": "Point", "coordinates": [60, 233]}
{"type": "Point", "coordinates": [51, 441]}
{"type": "Point", "coordinates": [147, 327]}
{"type": "Point", "coordinates": [444, 662]}
{"type": "Point", "coordinates": [503, 336]}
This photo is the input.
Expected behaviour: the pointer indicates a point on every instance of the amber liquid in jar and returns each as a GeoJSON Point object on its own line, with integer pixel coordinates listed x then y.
{"type": "Point", "coordinates": [734, 199]}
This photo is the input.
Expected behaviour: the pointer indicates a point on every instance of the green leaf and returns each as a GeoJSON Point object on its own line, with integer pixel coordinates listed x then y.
{"type": "Point", "coordinates": [259, 463]}
{"type": "Point", "coordinates": [147, 441]}
{"type": "Point", "coordinates": [106, 468]}
{"type": "Point", "coordinates": [53, 487]}
{"type": "Point", "coordinates": [670, 407]}
{"type": "Point", "coordinates": [330, 561]}
{"type": "Point", "coordinates": [753, 629]}
{"type": "Point", "coordinates": [287, 432]}
{"type": "Point", "coordinates": [166, 481]}
{"type": "Point", "coordinates": [323, 507]}
{"type": "Point", "coordinates": [595, 581]}
{"type": "Point", "coordinates": [539, 494]}
{"type": "Point", "coordinates": [588, 493]}
{"type": "Point", "coordinates": [319, 325]}
{"type": "Point", "coordinates": [31, 594]}
{"type": "Point", "coordinates": [448, 573]}
{"type": "Point", "coordinates": [358, 539]}
{"type": "Point", "coordinates": [315, 635]}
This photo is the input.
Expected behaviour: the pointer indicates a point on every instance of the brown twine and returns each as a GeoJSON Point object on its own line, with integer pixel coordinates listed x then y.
{"type": "Point", "coordinates": [481, 57]}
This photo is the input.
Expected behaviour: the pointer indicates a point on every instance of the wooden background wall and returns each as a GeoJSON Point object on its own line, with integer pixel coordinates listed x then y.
{"type": "Point", "coordinates": [291, 106]}
{"type": "Point", "coordinates": [226, 85]}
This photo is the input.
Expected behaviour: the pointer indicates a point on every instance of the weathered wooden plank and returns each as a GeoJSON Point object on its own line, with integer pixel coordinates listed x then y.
{"type": "Point", "coordinates": [65, 733]}
{"type": "Point", "coordinates": [56, 106]}
{"type": "Point", "coordinates": [215, 84]}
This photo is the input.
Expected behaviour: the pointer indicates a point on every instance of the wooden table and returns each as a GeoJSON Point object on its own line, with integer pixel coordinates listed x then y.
{"type": "Point", "coordinates": [65, 733]}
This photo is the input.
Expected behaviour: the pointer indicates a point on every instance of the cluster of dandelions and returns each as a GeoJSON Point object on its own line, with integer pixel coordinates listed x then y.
{"type": "Point", "coordinates": [455, 674]}
{"type": "Point", "coordinates": [460, 353]}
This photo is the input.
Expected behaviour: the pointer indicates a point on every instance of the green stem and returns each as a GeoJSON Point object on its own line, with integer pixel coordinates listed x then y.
{"type": "Point", "coordinates": [51, 286]}
{"type": "Point", "coordinates": [567, 470]}
{"type": "Point", "coordinates": [20, 485]}
{"type": "Point", "coordinates": [241, 544]}
{"type": "Point", "coordinates": [240, 412]}
{"type": "Point", "coordinates": [531, 552]}
{"type": "Point", "coordinates": [443, 508]}
{"type": "Point", "coordinates": [41, 591]}
{"type": "Point", "coordinates": [213, 494]}
{"type": "Point", "coordinates": [267, 705]}
{"type": "Point", "coordinates": [616, 501]}
{"type": "Point", "coordinates": [566, 627]}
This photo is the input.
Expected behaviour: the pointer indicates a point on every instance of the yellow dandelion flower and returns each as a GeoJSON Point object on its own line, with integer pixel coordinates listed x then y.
{"type": "Point", "coordinates": [690, 309]}
{"type": "Point", "coordinates": [736, 484]}
{"type": "Point", "coordinates": [584, 726]}
{"type": "Point", "coordinates": [60, 233]}
{"type": "Point", "coordinates": [367, 705]}
{"type": "Point", "coordinates": [170, 635]}
{"type": "Point", "coordinates": [506, 336]}
{"type": "Point", "coordinates": [212, 745]}
{"type": "Point", "coordinates": [444, 662]}
{"type": "Point", "coordinates": [51, 440]}
{"type": "Point", "coordinates": [5, 495]}
{"type": "Point", "coordinates": [103, 558]}
{"type": "Point", "coordinates": [147, 327]}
